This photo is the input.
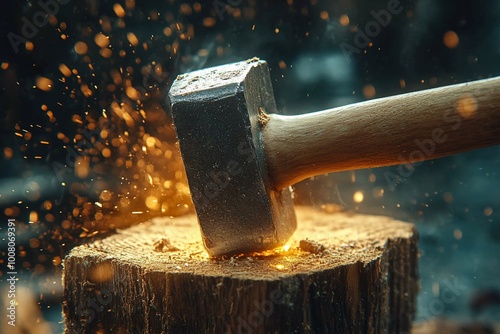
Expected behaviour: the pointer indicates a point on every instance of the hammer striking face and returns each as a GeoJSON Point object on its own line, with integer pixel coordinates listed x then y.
{"type": "Point", "coordinates": [216, 114]}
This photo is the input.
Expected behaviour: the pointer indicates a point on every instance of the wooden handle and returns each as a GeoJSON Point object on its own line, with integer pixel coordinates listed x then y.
{"type": "Point", "coordinates": [401, 129]}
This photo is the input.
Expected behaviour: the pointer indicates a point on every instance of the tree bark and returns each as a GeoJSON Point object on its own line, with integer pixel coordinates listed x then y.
{"type": "Point", "coordinates": [343, 273]}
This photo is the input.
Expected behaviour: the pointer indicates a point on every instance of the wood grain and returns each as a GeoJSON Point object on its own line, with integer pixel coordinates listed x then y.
{"type": "Point", "coordinates": [389, 131]}
{"type": "Point", "coordinates": [343, 273]}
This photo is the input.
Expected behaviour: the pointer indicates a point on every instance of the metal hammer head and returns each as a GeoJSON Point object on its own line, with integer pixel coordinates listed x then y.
{"type": "Point", "coordinates": [216, 115]}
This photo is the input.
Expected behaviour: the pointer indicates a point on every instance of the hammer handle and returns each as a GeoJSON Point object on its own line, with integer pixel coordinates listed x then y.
{"type": "Point", "coordinates": [401, 129]}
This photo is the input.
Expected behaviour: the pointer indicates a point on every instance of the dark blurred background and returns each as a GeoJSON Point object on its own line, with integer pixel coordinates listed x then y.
{"type": "Point", "coordinates": [87, 144]}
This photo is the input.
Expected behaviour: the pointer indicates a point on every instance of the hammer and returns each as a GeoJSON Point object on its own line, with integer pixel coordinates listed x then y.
{"type": "Point", "coordinates": [241, 157]}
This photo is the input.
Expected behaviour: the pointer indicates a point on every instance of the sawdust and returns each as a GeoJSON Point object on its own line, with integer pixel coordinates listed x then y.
{"type": "Point", "coordinates": [327, 240]}
{"type": "Point", "coordinates": [164, 245]}
{"type": "Point", "coordinates": [311, 246]}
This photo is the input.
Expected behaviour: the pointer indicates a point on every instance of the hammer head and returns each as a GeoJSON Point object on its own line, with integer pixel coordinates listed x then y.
{"type": "Point", "coordinates": [216, 115]}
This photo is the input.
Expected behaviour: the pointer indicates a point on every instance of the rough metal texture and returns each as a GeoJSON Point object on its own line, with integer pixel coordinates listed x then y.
{"type": "Point", "coordinates": [216, 115]}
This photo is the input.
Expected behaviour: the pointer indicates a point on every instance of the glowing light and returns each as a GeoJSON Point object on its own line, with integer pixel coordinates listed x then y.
{"type": "Point", "coordinates": [81, 48]}
{"type": "Point", "coordinates": [167, 32]}
{"type": "Point", "coordinates": [129, 143]}
{"type": "Point", "coordinates": [34, 243]}
{"type": "Point", "coordinates": [450, 39]}
{"type": "Point", "coordinates": [133, 93]}
{"type": "Point", "coordinates": [164, 207]}
{"type": "Point", "coordinates": [132, 38]}
{"type": "Point", "coordinates": [106, 152]}
{"type": "Point", "coordinates": [209, 22]}
{"type": "Point", "coordinates": [106, 195]}
{"type": "Point", "coordinates": [130, 4]}
{"type": "Point", "coordinates": [448, 197]}
{"type": "Point", "coordinates": [101, 40]}
{"type": "Point", "coordinates": [185, 9]}
{"type": "Point", "coordinates": [33, 217]}
{"type": "Point", "coordinates": [378, 192]}
{"type": "Point", "coordinates": [152, 203]}
{"type": "Point", "coordinates": [56, 261]}
{"type": "Point", "coordinates": [124, 202]}
{"type": "Point", "coordinates": [344, 20]}
{"type": "Point", "coordinates": [358, 197]}
{"type": "Point", "coordinates": [286, 248]}
{"type": "Point", "coordinates": [106, 53]}
{"type": "Point", "coordinates": [150, 142]}
{"type": "Point", "coordinates": [488, 211]}
{"type": "Point", "coordinates": [47, 205]}
{"type": "Point", "coordinates": [369, 91]}
{"type": "Point", "coordinates": [8, 153]}
{"type": "Point", "coordinates": [279, 266]}
{"type": "Point", "coordinates": [467, 106]}
{"type": "Point", "coordinates": [66, 224]}
{"type": "Point", "coordinates": [87, 92]}
{"type": "Point", "coordinates": [44, 84]}
{"type": "Point", "coordinates": [118, 9]}
{"type": "Point", "coordinates": [82, 167]}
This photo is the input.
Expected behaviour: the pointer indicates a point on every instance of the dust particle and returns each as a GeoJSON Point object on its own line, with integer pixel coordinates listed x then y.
{"type": "Point", "coordinates": [311, 246]}
{"type": "Point", "coordinates": [163, 245]}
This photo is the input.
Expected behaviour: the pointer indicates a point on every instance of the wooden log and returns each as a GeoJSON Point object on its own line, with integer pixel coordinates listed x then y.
{"type": "Point", "coordinates": [340, 273]}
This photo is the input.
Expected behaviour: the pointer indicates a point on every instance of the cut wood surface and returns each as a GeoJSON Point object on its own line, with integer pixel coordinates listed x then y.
{"type": "Point", "coordinates": [342, 273]}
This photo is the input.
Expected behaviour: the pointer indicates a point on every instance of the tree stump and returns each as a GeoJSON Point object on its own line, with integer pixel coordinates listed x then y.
{"type": "Point", "coordinates": [340, 273]}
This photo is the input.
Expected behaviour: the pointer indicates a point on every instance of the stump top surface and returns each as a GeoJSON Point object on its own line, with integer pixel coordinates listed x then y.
{"type": "Point", "coordinates": [174, 245]}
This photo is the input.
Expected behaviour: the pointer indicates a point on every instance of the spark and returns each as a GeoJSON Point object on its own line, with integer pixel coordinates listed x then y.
{"type": "Point", "coordinates": [358, 197]}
